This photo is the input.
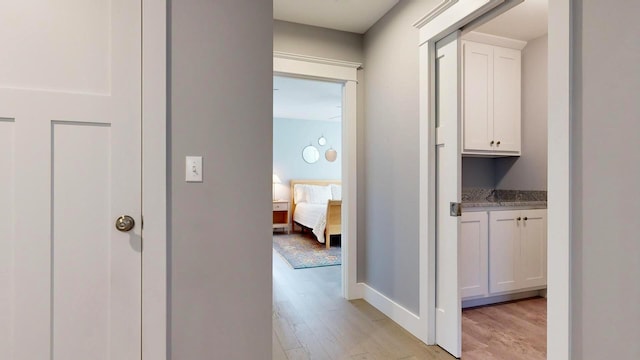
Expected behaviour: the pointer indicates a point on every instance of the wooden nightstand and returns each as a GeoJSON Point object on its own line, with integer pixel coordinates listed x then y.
{"type": "Point", "coordinates": [281, 214]}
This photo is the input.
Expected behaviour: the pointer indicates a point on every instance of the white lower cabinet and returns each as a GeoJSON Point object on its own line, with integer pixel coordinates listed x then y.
{"type": "Point", "coordinates": [502, 252]}
{"type": "Point", "coordinates": [474, 256]}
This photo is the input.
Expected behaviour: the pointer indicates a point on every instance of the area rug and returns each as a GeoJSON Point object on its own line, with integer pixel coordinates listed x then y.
{"type": "Point", "coordinates": [303, 251]}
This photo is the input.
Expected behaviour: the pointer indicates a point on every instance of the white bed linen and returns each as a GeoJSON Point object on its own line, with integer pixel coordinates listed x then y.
{"type": "Point", "coordinates": [313, 216]}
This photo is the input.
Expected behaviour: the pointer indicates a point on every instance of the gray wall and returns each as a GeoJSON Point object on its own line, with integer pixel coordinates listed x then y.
{"type": "Point", "coordinates": [391, 154]}
{"type": "Point", "coordinates": [290, 136]}
{"type": "Point", "coordinates": [606, 174]}
{"type": "Point", "coordinates": [529, 171]}
{"type": "Point", "coordinates": [220, 230]}
{"type": "Point", "coordinates": [478, 173]}
{"type": "Point", "coordinates": [315, 41]}
{"type": "Point", "coordinates": [336, 45]}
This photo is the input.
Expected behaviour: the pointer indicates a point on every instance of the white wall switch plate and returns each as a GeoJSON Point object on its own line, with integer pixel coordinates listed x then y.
{"type": "Point", "coordinates": [193, 170]}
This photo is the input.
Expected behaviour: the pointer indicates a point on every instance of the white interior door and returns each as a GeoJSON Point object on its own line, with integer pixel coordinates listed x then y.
{"type": "Point", "coordinates": [70, 160]}
{"type": "Point", "coordinates": [448, 189]}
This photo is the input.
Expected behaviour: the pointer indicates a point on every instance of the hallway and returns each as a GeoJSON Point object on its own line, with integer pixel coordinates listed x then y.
{"type": "Point", "coordinates": [312, 321]}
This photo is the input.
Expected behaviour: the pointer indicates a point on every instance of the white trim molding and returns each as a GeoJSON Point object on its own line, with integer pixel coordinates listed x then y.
{"type": "Point", "coordinates": [452, 18]}
{"type": "Point", "coordinates": [393, 310]}
{"type": "Point", "coordinates": [437, 10]}
{"type": "Point", "coordinates": [154, 180]}
{"type": "Point", "coordinates": [315, 67]}
{"type": "Point", "coordinates": [494, 40]}
{"type": "Point", "coordinates": [346, 73]}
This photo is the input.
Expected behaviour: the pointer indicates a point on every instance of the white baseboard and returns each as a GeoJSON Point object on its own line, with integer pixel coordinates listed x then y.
{"type": "Point", "coordinates": [403, 317]}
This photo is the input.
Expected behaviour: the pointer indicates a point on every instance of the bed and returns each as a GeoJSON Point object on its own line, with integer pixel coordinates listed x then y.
{"type": "Point", "coordinates": [317, 205]}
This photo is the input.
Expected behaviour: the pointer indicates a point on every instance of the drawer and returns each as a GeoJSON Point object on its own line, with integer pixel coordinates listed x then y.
{"type": "Point", "coordinates": [280, 206]}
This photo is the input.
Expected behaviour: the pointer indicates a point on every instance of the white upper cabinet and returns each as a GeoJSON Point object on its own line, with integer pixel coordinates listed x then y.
{"type": "Point", "coordinates": [491, 96]}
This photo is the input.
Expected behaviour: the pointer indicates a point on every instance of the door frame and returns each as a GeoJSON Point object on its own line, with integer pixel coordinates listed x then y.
{"type": "Point", "coordinates": [344, 72]}
{"type": "Point", "coordinates": [446, 17]}
{"type": "Point", "coordinates": [154, 335]}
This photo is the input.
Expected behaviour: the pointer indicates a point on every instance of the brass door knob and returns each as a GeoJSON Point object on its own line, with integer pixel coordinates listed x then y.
{"type": "Point", "coordinates": [125, 223]}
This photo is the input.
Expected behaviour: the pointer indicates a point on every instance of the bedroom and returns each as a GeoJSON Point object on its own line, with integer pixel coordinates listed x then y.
{"type": "Point", "coordinates": [307, 171]}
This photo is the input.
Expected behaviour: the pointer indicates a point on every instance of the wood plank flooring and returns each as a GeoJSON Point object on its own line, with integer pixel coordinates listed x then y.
{"type": "Point", "coordinates": [312, 321]}
{"type": "Point", "coordinates": [514, 331]}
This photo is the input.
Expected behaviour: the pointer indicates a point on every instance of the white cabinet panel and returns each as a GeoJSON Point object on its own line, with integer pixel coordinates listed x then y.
{"type": "Point", "coordinates": [533, 241]}
{"type": "Point", "coordinates": [474, 254]}
{"type": "Point", "coordinates": [477, 109]}
{"type": "Point", "coordinates": [517, 250]}
{"type": "Point", "coordinates": [504, 251]}
{"type": "Point", "coordinates": [507, 103]}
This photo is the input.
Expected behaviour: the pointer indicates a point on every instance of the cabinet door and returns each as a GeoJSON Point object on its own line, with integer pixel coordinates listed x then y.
{"type": "Point", "coordinates": [506, 99]}
{"type": "Point", "coordinates": [477, 96]}
{"type": "Point", "coordinates": [504, 251]}
{"type": "Point", "coordinates": [474, 254]}
{"type": "Point", "coordinates": [533, 242]}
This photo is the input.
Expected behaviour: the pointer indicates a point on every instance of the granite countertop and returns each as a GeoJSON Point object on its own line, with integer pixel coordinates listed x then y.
{"type": "Point", "coordinates": [491, 198]}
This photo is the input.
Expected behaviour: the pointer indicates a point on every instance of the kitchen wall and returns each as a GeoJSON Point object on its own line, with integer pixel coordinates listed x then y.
{"type": "Point", "coordinates": [391, 153]}
{"type": "Point", "coordinates": [290, 136]}
{"type": "Point", "coordinates": [220, 107]}
{"type": "Point", "coordinates": [605, 255]}
{"type": "Point", "coordinates": [529, 171]}
{"type": "Point", "coordinates": [337, 45]}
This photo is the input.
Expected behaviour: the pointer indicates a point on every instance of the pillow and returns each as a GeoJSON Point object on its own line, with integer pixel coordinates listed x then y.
{"type": "Point", "coordinates": [299, 193]}
{"type": "Point", "coordinates": [318, 194]}
{"type": "Point", "coordinates": [336, 192]}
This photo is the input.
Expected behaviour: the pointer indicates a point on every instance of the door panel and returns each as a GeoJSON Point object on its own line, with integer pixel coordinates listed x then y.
{"type": "Point", "coordinates": [534, 248]}
{"type": "Point", "coordinates": [6, 233]}
{"type": "Point", "coordinates": [448, 189]}
{"type": "Point", "coordinates": [81, 249]}
{"type": "Point", "coordinates": [504, 250]}
{"type": "Point", "coordinates": [72, 87]}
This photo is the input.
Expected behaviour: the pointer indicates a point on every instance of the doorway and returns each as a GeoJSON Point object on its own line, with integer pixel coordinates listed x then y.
{"type": "Point", "coordinates": [307, 165]}
{"type": "Point", "coordinates": [503, 254]}
{"type": "Point", "coordinates": [345, 73]}
{"type": "Point", "coordinates": [453, 16]}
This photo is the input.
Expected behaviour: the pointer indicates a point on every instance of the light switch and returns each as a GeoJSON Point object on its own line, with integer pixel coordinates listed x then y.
{"type": "Point", "coordinates": [193, 169]}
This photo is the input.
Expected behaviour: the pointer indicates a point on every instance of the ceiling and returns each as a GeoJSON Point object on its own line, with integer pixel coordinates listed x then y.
{"type": "Point", "coordinates": [318, 100]}
{"type": "Point", "coordinates": [355, 16]}
{"type": "Point", "coordinates": [306, 99]}
{"type": "Point", "coordinates": [526, 21]}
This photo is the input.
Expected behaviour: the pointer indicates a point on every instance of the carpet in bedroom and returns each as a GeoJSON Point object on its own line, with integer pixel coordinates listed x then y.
{"type": "Point", "coordinates": [302, 250]}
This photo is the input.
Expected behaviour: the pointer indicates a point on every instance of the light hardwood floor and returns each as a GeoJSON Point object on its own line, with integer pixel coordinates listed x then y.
{"type": "Point", "coordinates": [312, 321]}
{"type": "Point", "coordinates": [514, 331]}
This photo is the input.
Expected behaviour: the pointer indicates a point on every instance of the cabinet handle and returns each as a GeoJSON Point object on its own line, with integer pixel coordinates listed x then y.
{"type": "Point", "coordinates": [525, 218]}
{"type": "Point", "coordinates": [498, 143]}
{"type": "Point", "coordinates": [492, 142]}
{"type": "Point", "coordinates": [519, 218]}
